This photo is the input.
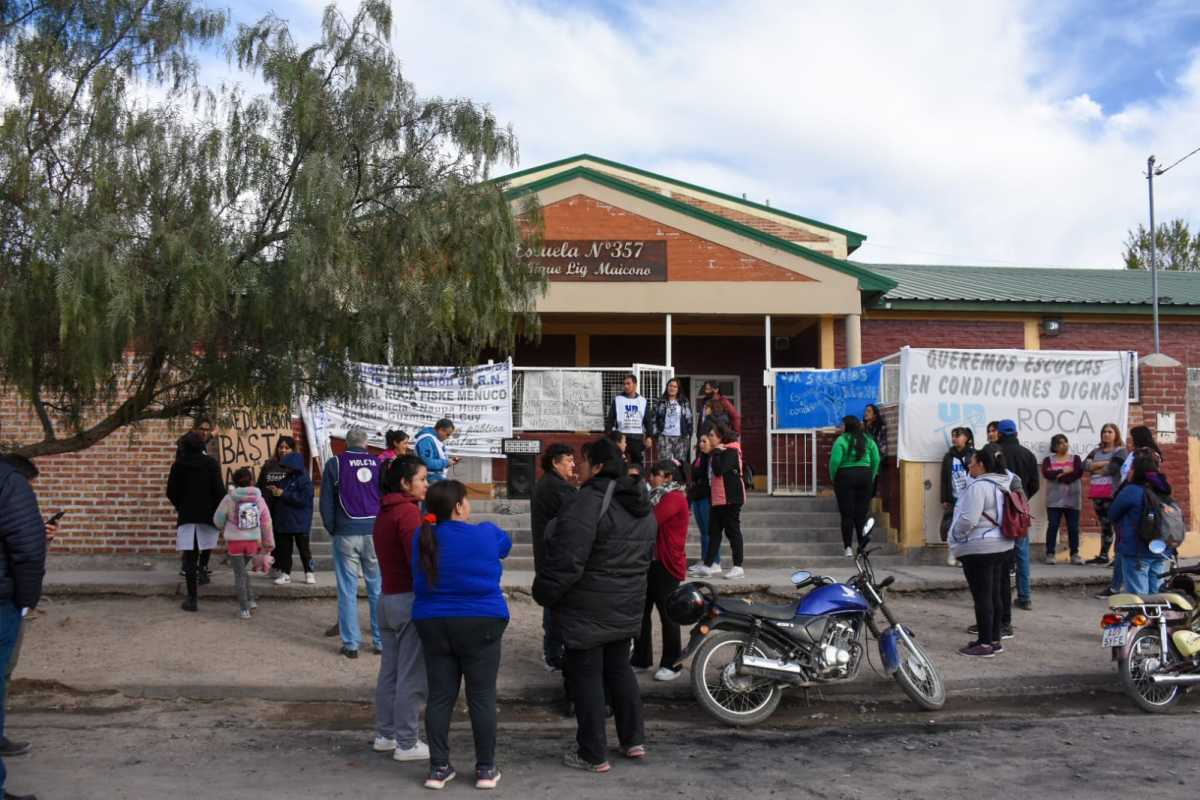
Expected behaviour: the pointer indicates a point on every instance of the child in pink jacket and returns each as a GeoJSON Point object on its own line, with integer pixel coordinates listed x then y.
{"type": "Point", "coordinates": [245, 520]}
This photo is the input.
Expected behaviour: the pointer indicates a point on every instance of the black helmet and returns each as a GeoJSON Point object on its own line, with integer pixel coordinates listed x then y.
{"type": "Point", "coordinates": [687, 604]}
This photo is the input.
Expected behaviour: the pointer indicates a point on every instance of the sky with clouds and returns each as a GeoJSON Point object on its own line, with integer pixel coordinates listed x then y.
{"type": "Point", "coordinates": [1005, 132]}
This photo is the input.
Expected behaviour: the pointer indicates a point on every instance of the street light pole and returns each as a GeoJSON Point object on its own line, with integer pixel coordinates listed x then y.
{"type": "Point", "coordinates": [1153, 252]}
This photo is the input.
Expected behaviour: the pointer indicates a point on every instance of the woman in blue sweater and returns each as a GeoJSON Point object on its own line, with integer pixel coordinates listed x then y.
{"type": "Point", "coordinates": [1140, 568]}
{"type": "Point", "coordinates": [460, 614]}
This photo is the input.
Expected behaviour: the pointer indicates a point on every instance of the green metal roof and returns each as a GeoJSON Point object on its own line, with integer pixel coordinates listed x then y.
{"type": "Point", "coordinates": [1102, 291]}
{"type": "Point", "coordinates": [868, 281]}
{"type": "Point", "coordinates": [854, 239]}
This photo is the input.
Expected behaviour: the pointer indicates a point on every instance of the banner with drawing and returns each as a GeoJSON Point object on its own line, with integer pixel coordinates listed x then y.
{"type": "Point", "coordinates": [1044, 391]}
{"type": "Point", "coordinates": [562, 400]}
{"type": "Point", "coordinates": [819, 398]}
{"type": "Point", "coordinates": [477, 399]}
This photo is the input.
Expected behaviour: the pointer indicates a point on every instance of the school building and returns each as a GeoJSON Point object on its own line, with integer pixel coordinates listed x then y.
{"type": "Point", "coordinates": [649, 269]}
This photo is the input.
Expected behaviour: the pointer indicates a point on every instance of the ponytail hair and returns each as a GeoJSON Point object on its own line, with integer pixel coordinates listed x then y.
{"type": "Point", "coordinates": [858, 439]}
{"type": "Point", "coordinates": [441, 501]}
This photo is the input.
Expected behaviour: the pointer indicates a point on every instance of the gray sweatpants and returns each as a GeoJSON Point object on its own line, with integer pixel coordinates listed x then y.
{"type": "Point", "coordinates": [241, 580]}
{"type": "Point", "coordinates": [401, 689]}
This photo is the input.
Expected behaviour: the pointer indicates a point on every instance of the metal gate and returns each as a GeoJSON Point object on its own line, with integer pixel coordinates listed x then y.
{"type": "Point", "coordinates": [652, 380]}
{"type": "Point", "coordinates": [791, 454]}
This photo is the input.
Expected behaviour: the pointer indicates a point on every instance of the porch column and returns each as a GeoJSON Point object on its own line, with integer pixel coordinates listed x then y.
{"type": "Point", "coordinates": [853, 340]}
{"type": "Point", "coordinates": [670, 361]}
{"type": "Point", "coordinates": [583, 350]}
{"type": "Point", "coordinates": [828, 354]}
{"type": "Point", "coordinates": [767, 341]}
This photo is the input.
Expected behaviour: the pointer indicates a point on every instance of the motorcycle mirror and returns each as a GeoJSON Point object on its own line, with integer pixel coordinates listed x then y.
{"type": "Point", "coordinates": [866, 541]}
{"type": "Point", "coordinates": [801, 577]}
{"type": "Point", "coordinates": [1158, 547]}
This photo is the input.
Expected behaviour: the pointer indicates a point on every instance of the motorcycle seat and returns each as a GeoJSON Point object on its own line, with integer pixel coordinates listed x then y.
{"type": "Point", "coordinates": [784, 612]}
{"type": "Point", "coordinates": [1165, 599]}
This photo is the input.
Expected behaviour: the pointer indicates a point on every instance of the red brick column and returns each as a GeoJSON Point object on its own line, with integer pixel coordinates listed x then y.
{"type": "Point", "coordinates": [1164, 390]}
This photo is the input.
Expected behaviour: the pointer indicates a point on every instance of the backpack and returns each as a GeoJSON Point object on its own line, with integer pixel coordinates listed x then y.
{"type": "Point", "coordinates": [1161, 519]}
{"type": "Point", "coordinates": [247, 515]}
{"type": "Point", "coordinates": [1017, 519]}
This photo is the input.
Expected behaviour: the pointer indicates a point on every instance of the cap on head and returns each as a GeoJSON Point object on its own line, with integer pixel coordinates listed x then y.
{"type": "Point", "coordinates": [1007, 428]}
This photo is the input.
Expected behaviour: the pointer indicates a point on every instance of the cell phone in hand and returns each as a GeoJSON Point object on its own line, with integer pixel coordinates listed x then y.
{"type": "Point", "coordinates": [56, 518]}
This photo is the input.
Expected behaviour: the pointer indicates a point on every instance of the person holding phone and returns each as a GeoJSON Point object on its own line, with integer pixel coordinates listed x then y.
{"type": "Point", "coordinates": [431, 449]}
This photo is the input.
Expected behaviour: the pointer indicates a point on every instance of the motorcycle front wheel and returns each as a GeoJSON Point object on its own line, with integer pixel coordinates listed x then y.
{"type": "Point", "coordinates": [918, 676]}
{"type": "Point", "coordinates": [729, 697]}
{"type": "Point", "coordinates": [1145, 659]}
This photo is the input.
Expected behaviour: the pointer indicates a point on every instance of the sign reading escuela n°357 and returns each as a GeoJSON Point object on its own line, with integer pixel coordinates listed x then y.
{"type": "Point", "coordinates": [600, 261]}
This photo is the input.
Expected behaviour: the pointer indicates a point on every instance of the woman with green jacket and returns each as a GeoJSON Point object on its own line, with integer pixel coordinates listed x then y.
{"type": "Point", "coordinates": [853, 465]}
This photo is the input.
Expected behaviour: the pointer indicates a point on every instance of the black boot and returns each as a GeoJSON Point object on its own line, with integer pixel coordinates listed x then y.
{"type": "Point", "coordinates": [204, 573]}
{"type": "Point", "coordinates": [190, 603]}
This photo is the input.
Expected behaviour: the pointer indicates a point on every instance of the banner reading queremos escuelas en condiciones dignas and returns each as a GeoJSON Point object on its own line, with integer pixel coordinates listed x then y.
{"type": "Point", "coordinates": [1044, 391]}
{"type": "Point", "coordinates": [477, 399]}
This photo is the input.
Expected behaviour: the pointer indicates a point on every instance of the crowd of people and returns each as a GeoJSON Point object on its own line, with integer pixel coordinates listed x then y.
{"type": "Point", "coordinates": [980, 487]}
{"type": "Point", "coordinates": [609, 534]}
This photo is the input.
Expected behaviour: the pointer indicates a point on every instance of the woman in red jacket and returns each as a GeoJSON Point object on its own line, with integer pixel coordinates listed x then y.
{"type": "Point", "coordinates": [668, 484]}
{"type": "Point", "coordinates": [400, 691]}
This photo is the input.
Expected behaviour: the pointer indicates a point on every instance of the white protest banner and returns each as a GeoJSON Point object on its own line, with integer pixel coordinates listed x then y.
{"type": "Point", "coordinates": [477, 399]}
{"type": "Point", "coordinates": [562, 400]}
{"type": "Point", "coordinates": [1044, 391]}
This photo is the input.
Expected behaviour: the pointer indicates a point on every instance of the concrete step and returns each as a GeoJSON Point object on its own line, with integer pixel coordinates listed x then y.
{"type": "Point", "coordinates": [755, 502]}
{"type": "Point", "coordinates": [752, 549]}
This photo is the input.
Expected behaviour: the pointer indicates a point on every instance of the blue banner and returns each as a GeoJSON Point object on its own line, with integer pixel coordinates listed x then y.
{"type": "Point", "coordinates": [819, 398]}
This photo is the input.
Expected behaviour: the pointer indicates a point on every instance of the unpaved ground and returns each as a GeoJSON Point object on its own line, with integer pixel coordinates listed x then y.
{"type": "Point", "coordinates": [108, 747]}
{"type": "Point", "coordinates": [148, 646]}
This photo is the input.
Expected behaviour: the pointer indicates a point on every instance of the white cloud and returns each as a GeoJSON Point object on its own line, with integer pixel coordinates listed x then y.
{"type": "Point", "coordinates": [933, 129]}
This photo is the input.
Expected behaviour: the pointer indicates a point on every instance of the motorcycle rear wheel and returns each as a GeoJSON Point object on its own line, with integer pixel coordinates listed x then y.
{"type": "Point", "coordinates": [731, 698]}
{"type": "Point", "coordinates": [1146, 656]}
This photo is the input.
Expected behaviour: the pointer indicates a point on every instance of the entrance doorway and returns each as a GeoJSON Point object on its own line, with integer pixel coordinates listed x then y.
{"type": "Point", "coordinates": [692, 386]}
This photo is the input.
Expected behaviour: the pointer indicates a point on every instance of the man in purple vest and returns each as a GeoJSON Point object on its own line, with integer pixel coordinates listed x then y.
{"type": "Point", "coordinates": [349, 504]}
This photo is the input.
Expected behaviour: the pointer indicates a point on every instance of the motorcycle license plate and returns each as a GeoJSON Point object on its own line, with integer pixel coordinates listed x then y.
{"type": "Point", "coordinates": [1115, 636]}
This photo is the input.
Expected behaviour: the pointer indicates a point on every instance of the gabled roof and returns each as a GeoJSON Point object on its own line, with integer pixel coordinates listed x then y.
{"type": "Point", "coordinates": [868, 281]}
{"type": "Point", "coordinates": [1111, 291]}
{"type": "Point", "coordinates": [854, 239]}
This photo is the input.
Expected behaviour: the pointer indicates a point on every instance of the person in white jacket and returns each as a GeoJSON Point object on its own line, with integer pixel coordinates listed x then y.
{"type": "Point", "coordinates": [977, 542]}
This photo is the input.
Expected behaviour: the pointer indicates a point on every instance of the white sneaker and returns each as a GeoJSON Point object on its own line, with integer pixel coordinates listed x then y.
{"type": "Point", "coordinates": [715, 569]}
{"type": "Point", "coordinates": [734, 573]}
{"type": "Point", "coordinates": [704, 572]}
{"type": "Point", "coordinates": [951, 561]}
{"type": "Point", "coordinates": [666, 674]}
{"type": "Point", "coordinates": [244, 613]}
{"type": "Point", "coordinates": [383, 744]}
{"type": "Point", "coordinates": [418, 752]}
{"type": "Point", "coordinates": [310, 578]}
{"type": "Point", "coordinates": [283, 580]}
{"type": "Point", "coordinates": [849, 552]}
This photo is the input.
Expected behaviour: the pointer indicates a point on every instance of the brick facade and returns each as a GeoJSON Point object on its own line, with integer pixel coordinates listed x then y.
{"type": "Point", "coordinates": [689, 258]}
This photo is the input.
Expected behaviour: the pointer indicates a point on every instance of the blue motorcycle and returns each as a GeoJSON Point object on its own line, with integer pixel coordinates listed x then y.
{"type": "Point", "coordinates": [745, 654]}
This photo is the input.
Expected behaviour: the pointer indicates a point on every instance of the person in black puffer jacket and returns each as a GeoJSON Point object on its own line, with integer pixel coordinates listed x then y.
{"type": "Point", "coordinates": [593, 578]}
{"type": "Point", "coordinates": [195, 488]}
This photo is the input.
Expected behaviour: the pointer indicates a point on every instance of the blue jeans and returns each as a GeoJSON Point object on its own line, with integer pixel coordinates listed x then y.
{"type": "Point", "coordinates": [701, 510]}
{"type": "Point", "coordinates": [1054, 518]}
{"type": "Point", "coordinates": [1141, 575]}
{"type": "Point", "coordinates": [10, 626]}
{"type": "Point", "coordinates": [1021, 551]}
{"type": "Point", "coordinates": [350, 554]}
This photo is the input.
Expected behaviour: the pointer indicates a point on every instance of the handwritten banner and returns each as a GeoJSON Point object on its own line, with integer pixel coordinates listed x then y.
{"type": "Point", "coordinates": [819, 398]}
{"type": "Point", "coordinates": [477, 399]}
{"type": "Point", "coordinates": [247, 438]}
{"type": "Point", "coordinates": [1044, 391]}
{"type": "Point", "coordinates": [562, 400]}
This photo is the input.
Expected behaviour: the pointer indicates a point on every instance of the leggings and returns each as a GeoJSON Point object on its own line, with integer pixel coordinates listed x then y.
{"type": "Point", "coordinates": [983, 573]}
{"type": "Point", "coordinates": [853, 485]}
{"type": "Point", "coordinates": [726, 520]}
{"type": "Point", "coordinates": [241, 581]}
{"type": "Point", "coordinates": [1100, 506]}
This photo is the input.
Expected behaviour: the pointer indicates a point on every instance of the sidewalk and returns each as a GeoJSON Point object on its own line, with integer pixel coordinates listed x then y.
{"type": "Point", "coordinates": [161, 579]}
{"type": "Point", "coordinates": [88, 637]}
